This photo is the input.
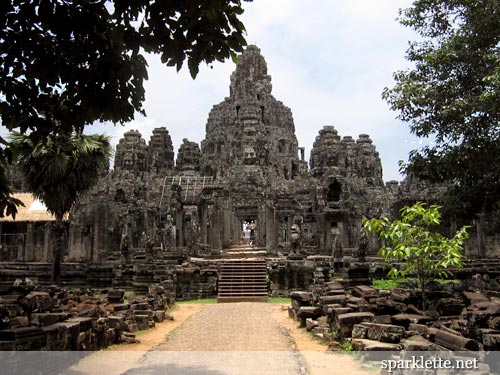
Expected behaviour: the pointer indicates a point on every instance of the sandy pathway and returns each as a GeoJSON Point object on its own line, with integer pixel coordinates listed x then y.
{"type": "Point", "coordinates": [223, 339]}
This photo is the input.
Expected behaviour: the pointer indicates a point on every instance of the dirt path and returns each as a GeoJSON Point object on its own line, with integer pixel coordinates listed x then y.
{"type": "Point", "coordinates": [218, 339]}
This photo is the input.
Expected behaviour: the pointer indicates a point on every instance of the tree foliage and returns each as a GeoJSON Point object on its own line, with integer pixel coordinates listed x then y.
{"type": "Point", "coordinates": [57, 170]}
{"type": "Point", "coordinates": [452, 94]}
{"type": "Point", "coordinates": [66, 64]}
{"type": "Point", "coordinates": [425, 254]}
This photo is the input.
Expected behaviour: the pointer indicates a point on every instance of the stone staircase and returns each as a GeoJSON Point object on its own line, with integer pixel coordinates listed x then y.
{"type": "Point", "coordinates": [244, 251]}
{"type": "Point", "coordinates": [243, 280]}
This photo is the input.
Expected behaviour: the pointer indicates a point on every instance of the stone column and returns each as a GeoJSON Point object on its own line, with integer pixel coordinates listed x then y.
{"type": "Point", "coordinates": [226, 228]}
{"type": "Point", "coordinates": [271, 230]}
{"type": "Point", "coordinates": [236, 230]}
{"type": "Point", "coordinates": [261, 226]}
{"type": "Point", "coordinates": [216, 224]}
{"type": "Point", "coordinates": [179, 226]}
{"type": "Point", "coordinates": [30, 243]}
{"type": "Point", "coordinates": [204, 224]}
{"type": "Point", "coordinates": [47, 251]}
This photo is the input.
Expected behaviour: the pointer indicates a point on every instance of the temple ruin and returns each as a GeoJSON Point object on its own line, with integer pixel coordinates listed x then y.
{"type": "Point", "coordinates": [164, 217]}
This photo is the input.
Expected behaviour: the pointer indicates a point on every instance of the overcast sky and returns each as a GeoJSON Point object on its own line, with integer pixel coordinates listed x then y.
{"type": "Point", "coordinates": [329, 61]}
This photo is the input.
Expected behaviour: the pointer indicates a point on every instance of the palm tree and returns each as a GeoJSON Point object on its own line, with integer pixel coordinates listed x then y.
{"type": "Point", "coordinates": [57, 169]}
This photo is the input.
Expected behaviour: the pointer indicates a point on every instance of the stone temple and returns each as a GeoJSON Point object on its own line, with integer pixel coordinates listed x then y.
{"type": "Point", "coordinates": [249, 167]}
{"type": "Point", "coordinates": [153, 218]}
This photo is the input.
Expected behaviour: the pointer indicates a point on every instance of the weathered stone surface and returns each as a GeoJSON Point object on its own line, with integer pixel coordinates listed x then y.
{"type": "Point", "coordinates": [491, 341]}
{"type": "Point", "coordinates": [310, 324]}
{"type": "Point", "coordinates": [473, 298]}
{"type": "Point", "coordinates": [336, 299]}
{"type": "Point", "coordinates": [116, 295]}
{"type": "Point", "coordinates": [371, 345]}
{"type": "Point", "coordinates": [449, 306]}
{"type": "Point", "coordinates": [304, 298]}
{"type": "Point", "coordinates": [159, 316]}
{"type": "Point", "coordinates": [45, 319]}
{"type": "Point", "coordinates": [364, 291]}
{"type": "Point", "coordinates": [121, 307]}
{"type": "Point", "coordinates": [404, 320]}
{"type": "Point", "coordinates": [306, 312]}
{"type": "Point", "coordinates": [384, 332]}
{"type": "Point", "coordinates": [454, 342]}
{"type": "Point", "coordinates": [36, 301]}
{"type": "Point", "coordinates": [344, 323]}
{"type": "Point", "coordinates": [142, 322]}
{"type": "Point", "coordinates": [417, 344]}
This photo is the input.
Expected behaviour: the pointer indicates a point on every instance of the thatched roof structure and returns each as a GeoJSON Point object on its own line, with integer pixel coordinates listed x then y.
{"type": "Point", "coordinates": [33, 210]}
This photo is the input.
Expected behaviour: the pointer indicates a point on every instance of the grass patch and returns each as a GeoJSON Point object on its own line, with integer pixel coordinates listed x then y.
{"type": "Point", "coordinates": [279, 300]}
{"type": "Point", "coordinates": [202, 301]}
{"type": "Point", "coordinates": [396, 283]}
{"type": "Point", "coordinates": [388, 283]}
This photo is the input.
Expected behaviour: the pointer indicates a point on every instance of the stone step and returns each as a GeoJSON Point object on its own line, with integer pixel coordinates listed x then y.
{"type": "Point", "coordinates": [243, 280]}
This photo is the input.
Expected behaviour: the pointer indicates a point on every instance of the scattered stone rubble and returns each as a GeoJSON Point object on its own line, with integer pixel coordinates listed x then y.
{"type": "Point", "coordinates": [458, 318]}
{"type": "Point", "coordinates": [34, 318]}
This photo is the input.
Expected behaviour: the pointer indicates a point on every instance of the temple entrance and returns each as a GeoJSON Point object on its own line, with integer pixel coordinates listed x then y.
{"type": "Point", "coordinates": [249, 231]}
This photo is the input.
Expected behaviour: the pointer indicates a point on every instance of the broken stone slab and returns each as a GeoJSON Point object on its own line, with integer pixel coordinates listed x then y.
{"type": "Point", "coordinates": [357, 301]}
{"type": "Point", "coordinates": [159, 316]}
{"type": "Point", "coordinates": [310, 324]}
{"type": "Point", "coordinates": [359, 331]}
{"type": "Point", "coordinates": [149, 313]}
{"type": "Point", "coordinates": [494, 322]}
{"type": "Point", "coordinates": [400, 295]}
{"type": "Point", "coordinates": [404, 320]}
{"type": "Point", "coordinates": [383, 319]}
{"type": "Point", "coordinates": [308, 312]}
{"type": "Point", "coordinates": [417, 344]}
{"type": "Point", "coordinates": [141, 306]}
{"type": "Point", "coordinates": [303, 298]}
{"type": "Point", "coordinates": [371, 345]}
{"type": "Point", "coordinates": [491, 341]}
{"type": "Point", "coordinates": [25, 338]}
{"type": "Point", "coordinates": [385, 306]}
{"type": "Point", "coordinates": [449, 306]}
{"type": "Point", "coordinates": [71, 332]}
{"type": "Point", "coordinates": [115, 322]}
{"type": "Point", "coordinates": [455, 342]}
{"type": "Point", "coordinates": [422, 329]}
{"type": "Point", "coordinates": [121, 307]}
{"type": "Point", "coordinates": [334, 292]}
{"type": "Point", "coordinates": [39, 301]}
{"type": "Point", "coordinates": [84, 323]}
{"type": "Point", "coordinates": [364, 291]}
{"type": "Point", "coordinates": [46, 319]}
{"type": "Point", "coordinates": [334, 285]}
{"type": "Point", "coordinates": [19, 321]}
{"type": "Point", "coordinates": [142, 322]}
{"type": "Point", "coordinates": [128, 338]}
{"type": "Point", "coordinates": [473, 298]}
{"type": "Point", "coordinates": [57, 337]}
{"type": "Point", "coordinates": [335, 299]}
{"type": "Point", "coordinates": [323, 322]}
{"type": "Point", "coordinates": [116, 295]}
{"type": "Point", "coordinates": [384, 332]}
{"type": "Point", "coordinates": [335, 311]}
{"type": "Point", "coordinates": [344, 323]}
{"type": "Point", "coordinates": [160, 290]}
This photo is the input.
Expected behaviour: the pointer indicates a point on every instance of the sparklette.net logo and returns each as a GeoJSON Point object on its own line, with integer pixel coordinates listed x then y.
{"type": "Point", "coordinates": [434, 363]}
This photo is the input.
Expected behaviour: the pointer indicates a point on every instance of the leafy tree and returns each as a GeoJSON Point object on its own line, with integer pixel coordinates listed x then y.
{"type": "Point", "coordinates": [452, 95]}
{"type": "Point", "coordinates": [425, 254]}
{"type": "Point", "coordinates": [72, 63]}
{"type": "Point", "coordinates": [57, 170]}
